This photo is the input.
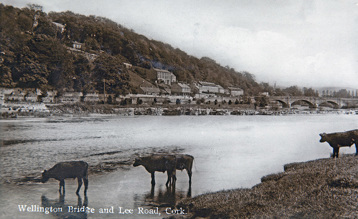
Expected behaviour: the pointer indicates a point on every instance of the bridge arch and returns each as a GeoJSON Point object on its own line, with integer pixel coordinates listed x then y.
{"type": "Point", "coordinates": [329, 103]}
{"type": "Point", "coordinates": [284, 104]}
{"type": "Point", "coordinates": [299, 102]}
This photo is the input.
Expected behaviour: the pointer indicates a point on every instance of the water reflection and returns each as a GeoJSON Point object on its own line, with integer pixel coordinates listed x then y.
{"type": "Point", "coordinates": [59, 209]}
{"type": "Point", "coordinates": [165, 198]}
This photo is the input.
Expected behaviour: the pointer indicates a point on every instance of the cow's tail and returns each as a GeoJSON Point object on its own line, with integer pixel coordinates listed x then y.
{"type": "Point", "coordinates": [194, 164]}
{"type": "Point", "coordinates": [85, 175]}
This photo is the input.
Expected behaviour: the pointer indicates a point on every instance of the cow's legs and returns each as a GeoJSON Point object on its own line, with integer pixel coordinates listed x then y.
{"type": "Point", "coordinates": [335, 152]}
{"type": "Point", "coordinates": [172, 178]}
{"type": "Point", "coordinates": [85, 180]}
{"type": "Point", "coordinates": [62, 184]}
{"type": "Point", "coordinates": [79, 180]}
{"type": "Point", "coordinates": [189, 174]}
{"type": "Point", "coordinates": [153, 178]}
{"type": "Point", "coordinates": [169, 178]}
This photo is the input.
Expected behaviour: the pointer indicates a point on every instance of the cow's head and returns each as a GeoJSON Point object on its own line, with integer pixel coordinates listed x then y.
{"type": "Point", "coordinates": [137, 162]}
{"type": "Point", "coordinates": [323, 137]}
{"type": "Point", "coordinates": [45, 176]}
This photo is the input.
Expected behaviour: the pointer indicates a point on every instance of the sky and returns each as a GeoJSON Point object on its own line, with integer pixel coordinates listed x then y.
{"type": "Point", "coordinates": [308, 43]}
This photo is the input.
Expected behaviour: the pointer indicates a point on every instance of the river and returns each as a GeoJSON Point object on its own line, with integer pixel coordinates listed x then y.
{"type": "Point", "coordinates": [230, 152]}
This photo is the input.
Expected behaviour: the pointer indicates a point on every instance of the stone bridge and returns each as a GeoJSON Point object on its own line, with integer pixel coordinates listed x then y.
{"type": "Point", "coordinates": [314, 102]}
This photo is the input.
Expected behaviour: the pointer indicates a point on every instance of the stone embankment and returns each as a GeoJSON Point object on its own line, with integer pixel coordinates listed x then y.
{"type": "Point", "coordinates": [42, 110]}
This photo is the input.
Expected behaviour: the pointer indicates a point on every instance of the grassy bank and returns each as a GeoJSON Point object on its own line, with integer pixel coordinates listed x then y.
{"type": "Point", "coordinates": [325, 188]}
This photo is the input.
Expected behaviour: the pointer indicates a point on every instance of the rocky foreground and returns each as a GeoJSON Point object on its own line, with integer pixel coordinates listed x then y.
{"type": "Point", "coordinates": [325, 188]}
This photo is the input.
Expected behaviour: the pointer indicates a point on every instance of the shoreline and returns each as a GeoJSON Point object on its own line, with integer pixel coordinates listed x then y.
{"type": "Point", "coordinates": [322, 188]}
{"type": "Point", "coordinates": [9, 111]}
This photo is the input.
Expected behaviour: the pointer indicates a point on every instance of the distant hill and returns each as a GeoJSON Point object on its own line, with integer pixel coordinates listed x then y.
{"type": "Point", "coordinates": [38, 51]}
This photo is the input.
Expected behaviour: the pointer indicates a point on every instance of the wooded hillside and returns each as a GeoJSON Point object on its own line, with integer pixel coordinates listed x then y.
{"type": "Point", "coordinates": [36, 52]}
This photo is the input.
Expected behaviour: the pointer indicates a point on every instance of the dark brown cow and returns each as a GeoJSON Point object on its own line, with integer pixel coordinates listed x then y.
{"type": "Point", "coordinates": [185, 161]}
{"type": "Point", "coordinates": [65, 170]}
{"type": "Point", "coordinates": [341, 139]}
{"type": "Point", "coordinates": [159, 163]}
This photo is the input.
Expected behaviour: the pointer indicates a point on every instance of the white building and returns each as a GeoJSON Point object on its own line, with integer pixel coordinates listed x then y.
{"type": "Point", "coordinates": [91, 97]}
{"type": "Point", "coordinates": [49, 97]}
{"type": "Point", "coordinates": [166, 76]}
{"type": "Point", "coordinates": [221, 89]}
{"type": "Point", "coordinates": [181, 88]}
{"type": "Point", "coordinates": [77, 45]}
{"type": "Point", "coordinates": [207, 87]}
{"type": "Point", "coordinates": [235, 91]}
{"type": "Point", "coordinates": [128, 65]}
{"type": "Point", "coordinates": [61, 27]}
{"type": "Point", "coordinates": [71, 97]}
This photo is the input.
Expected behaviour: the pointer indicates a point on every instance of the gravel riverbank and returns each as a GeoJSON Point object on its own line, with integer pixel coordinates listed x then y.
{"type": "Point", "coordinates": [324, 188]}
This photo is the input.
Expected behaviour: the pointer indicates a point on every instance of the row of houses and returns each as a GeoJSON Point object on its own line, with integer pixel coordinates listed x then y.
{"type": "Point", "coordinates": [180, 88]}
{"type": "Point", "coordinates": [18, 95]}
{"type": "Point", "coordinates": [171, 87]}
{"type": "Point", "coordinates": [200, 87]}
{"type": "Point", "coordinates": [36, 95]}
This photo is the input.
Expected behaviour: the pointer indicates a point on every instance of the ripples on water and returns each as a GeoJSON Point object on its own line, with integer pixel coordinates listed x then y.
{"type": "Point", "coordinates": [29, 145]}
{"type": "Point", "coordinates": [230, 151]}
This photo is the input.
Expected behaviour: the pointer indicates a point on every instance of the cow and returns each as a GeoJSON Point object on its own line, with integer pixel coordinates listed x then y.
{"type": "Point", "coordinates": [65, 170]}
{"type": "Point", "coordinates": [161, 163]}
{"type": "Point", "coordinates": [340, 139]}
{"type": "Point", "coordinates": [185, 161]}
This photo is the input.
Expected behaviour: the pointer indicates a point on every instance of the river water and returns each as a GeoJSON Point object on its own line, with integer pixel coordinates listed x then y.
{"type": "Point", "coordinates": [230, 152]}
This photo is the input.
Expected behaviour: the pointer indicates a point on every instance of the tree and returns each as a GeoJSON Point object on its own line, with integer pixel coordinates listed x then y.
{"type": "Point", "coordinates": [262, 101]}
{"type": "Point", "coordinates": [82, 70]}
{"type": "Point", "coordinates": [5, 77]}
{"type": "Point", "coordinates": [35, 7]}
{"type": "Point", "coordinates": [293, 91]}
{"type": "Point", "coordinates": [108, 74]}
{"type": "Point", "coordinates": [343, 93]}
{"type": "Point", "coordinates": [309, 92]}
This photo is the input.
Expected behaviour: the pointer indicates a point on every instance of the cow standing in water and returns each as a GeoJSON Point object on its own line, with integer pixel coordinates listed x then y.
{"type": "Point", "coordinates": [341, 139]}
{"type": "Point", "coordinates": [185, 161]}
{"type": "Point", "coordinates": [65, 170]}
{"type": "Point", "coordinates": [159, 163]}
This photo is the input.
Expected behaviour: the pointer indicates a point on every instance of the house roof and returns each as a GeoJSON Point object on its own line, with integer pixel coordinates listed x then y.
{"type": "Point", "coordinates": [72, 94]}
{"type": "Point", "coordinates": [235, 89]}
{"type": "Point", "coordinates": [150, 89]}
{"type": "Point", "coordinates": [183, 85]}
{"type": "Point", "coordinates": [220, 87]}
{"type": "Point", "coordinates": [59, 25]}
{"type": "Point", "coordinates": [162, 70]}
{"type": "Point", "coordinates": [78, 43]}
{"type": "Point", "coordinates": [204, 83]}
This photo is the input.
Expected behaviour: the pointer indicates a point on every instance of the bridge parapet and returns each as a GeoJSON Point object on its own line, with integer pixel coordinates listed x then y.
{"type": "Point", "coordinates": [314, 102]}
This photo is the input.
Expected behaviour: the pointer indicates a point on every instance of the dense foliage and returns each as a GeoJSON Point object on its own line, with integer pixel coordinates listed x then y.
{"type": "Point", "coordinates": [37, 53]}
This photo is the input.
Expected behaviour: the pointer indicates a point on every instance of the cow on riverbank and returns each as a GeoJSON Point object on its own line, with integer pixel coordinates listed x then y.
{"type": "Point", "coordinates": [340, 139]}
{"type": "Point", "coordinates": [185, 161]}
{"type": "Point", "coordinates": [160, 163]}
{"type": "Point", "coordinates": [65, 170]}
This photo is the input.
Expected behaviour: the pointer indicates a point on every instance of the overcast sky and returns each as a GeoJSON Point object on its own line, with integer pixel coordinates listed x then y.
{"type": "Point", "coordinates": [312, 43]}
